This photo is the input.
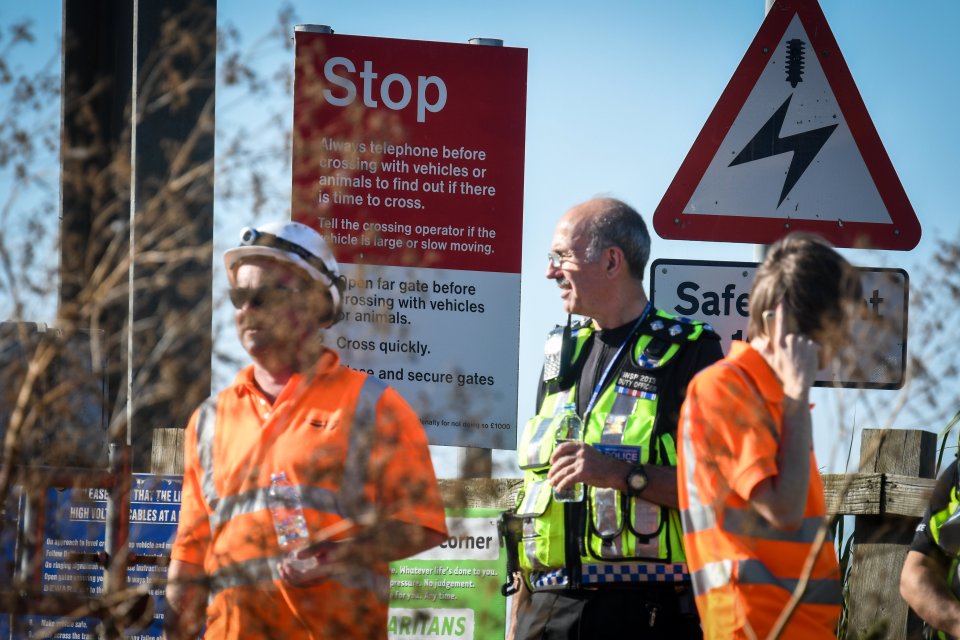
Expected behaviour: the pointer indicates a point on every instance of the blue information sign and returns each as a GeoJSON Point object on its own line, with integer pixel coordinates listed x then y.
{"type": "Point", "coordinates": [75, 522]}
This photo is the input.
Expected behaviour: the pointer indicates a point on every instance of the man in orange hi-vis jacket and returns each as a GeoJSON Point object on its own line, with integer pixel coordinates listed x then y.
{"type": "Point", "coordinates": [751, 499]}
{"type": "Point", "coordinates": [304, 478]}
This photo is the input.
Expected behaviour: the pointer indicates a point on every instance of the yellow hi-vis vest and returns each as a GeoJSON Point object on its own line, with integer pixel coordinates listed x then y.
{"type": "Point", "coordinates": [622, 539]}
{"type": "Point", "coordinates": [936, 520]}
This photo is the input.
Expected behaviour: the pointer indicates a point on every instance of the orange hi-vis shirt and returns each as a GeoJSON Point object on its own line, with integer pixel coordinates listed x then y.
{"type": "Point", "coordinates": [353, 447]}
{"type": "Point", "coordinates": [744, 570]}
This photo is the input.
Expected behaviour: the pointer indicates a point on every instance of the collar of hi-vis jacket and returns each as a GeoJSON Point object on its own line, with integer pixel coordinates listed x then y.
{"type": "Point", "coordinates": [326, 364]}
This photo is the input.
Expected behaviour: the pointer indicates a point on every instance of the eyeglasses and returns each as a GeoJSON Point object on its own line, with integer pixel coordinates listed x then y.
{"type": "Point", "coordinates": [555, 259]}
{"type": "Point", "coordinates": [258, 297]}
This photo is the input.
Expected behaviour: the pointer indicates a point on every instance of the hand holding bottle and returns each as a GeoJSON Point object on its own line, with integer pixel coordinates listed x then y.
{"type": "Point", "coordinates": [289, 522]}
{"type": "Point", "coordinates": [570, 430]}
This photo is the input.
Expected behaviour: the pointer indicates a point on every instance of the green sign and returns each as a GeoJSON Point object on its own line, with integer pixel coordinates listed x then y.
{"type": "Point", "coordinates": [452, 592]}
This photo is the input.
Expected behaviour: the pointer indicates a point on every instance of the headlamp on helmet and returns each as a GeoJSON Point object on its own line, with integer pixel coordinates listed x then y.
{"type": "Point", "coordinates": [293, 243]}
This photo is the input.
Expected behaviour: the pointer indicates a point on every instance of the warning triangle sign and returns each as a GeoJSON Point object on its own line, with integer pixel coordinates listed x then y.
{"type": "Point", "coordinates": [789, 146]}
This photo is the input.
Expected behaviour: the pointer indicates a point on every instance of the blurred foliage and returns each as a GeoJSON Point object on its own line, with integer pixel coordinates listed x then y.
{"type": "Point", "coordinates": [64, 386]}
{"type": "Point", "coordinates": [29, 144]}
{"type": "Point", "coordinates": [251, 177]}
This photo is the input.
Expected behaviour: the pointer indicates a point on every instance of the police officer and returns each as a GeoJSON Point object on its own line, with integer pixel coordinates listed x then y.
{"type": "Point", "coordinates": [613, 563]}
{"type": "Point", "coordinates": [929, 581]}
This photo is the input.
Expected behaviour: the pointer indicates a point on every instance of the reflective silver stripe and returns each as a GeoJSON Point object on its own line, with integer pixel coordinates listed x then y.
{"type": "Point", "coordinates": [750, 571]}
{"type": "Point", "coordinates": [533, 451]}
{"type": "Point", "coordinates": [262, 572]}
{"type": "Point", "coordinates": [529, 511]}
{"type": "Point", "coordinates": [612, 548]}
{"type": "Point", "coordinates": [530, 550]}
{"type": "Point", "coordinates": [701, 515]}
{"type": "Point", "coordinates": [256, 499]}
{"type": "Point", "coordinates": [713, 576]}
{"type": "Point", "coordinates": [824, 591]}
{"type": "Point", "coordinates": [530, 542]}
{"type": "Point", "coordinates": [607, 519]}
{"type": "Point", "coordinates": [532, 506]}
{"type": "Point", "coordinates": [237, 505]}
{"type": "Point", "coordinates": [615, 424]}
{"type": "Point", "coordinates": [646, 520]}
{"type": "Point", "coordinates": [698, 518]}
{"type": "Point", "coordinates": [750, 523]}
{"type": "Point", "coordinates": [623, 404]}
{"type": "Point", "coordinates": [536, 452]}
{"type": "Point", "coordinates": [614, 427]}
{"type": "Point", "coordinates": [206, 429]}
{"type": "Point", "coordinates": [743, 522]}
{"type": "Point", "coordinates": [363, 433]}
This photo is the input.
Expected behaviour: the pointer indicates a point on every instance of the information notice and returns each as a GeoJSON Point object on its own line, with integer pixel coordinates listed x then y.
{"type": "Point", "coordinates": [718, 293]}
{"type": "Point", "coordinates": [453, 590]}
{"type": "Point", "coordinates": [75, 524]}
{"type": "Point", "coordinates": [408, 157]}
{"type": "Point", "coordinates": [373, 185]}
{"type": "Point", "coordinates": [443, 340]}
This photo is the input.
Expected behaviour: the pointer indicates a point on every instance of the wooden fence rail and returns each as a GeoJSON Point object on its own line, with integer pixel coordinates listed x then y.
{"type": "Point", "coordinates": [876, 494]}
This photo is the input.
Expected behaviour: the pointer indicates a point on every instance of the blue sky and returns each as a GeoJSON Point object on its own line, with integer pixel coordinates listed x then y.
{"type": "Point", "coordinates": [617, 92]}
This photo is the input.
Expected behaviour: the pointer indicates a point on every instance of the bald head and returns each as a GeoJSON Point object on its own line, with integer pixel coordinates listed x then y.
{"type": "Point", "coordinates": [608, 222]}
{"type": "Point", "coordinates": [598, 255]}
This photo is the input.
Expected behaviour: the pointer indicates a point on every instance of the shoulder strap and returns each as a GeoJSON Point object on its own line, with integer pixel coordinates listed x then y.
{"type": "Point", "coordinates": [664, 331]}
{"type": "Point", "coordinates": [363, 432]}
{"type": "Point", "coordinates": [206, 432]}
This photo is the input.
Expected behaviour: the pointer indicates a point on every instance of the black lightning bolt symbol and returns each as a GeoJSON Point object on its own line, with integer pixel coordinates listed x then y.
{"type": "Point", "coordinates": [767, 142]}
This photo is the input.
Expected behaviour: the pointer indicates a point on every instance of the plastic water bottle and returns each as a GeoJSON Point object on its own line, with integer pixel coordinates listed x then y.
{"type": "Point", "coordinates": [570, 430]}
{"type": "Point", "coordinates": [286, 507]}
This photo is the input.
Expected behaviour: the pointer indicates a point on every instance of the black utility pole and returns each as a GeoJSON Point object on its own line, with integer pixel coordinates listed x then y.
{"type": "Point", "coordinates": [137, 203]}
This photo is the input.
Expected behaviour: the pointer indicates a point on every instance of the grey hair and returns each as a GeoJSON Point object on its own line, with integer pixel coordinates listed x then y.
{"type": "Point", "coordinates": [619, 225]}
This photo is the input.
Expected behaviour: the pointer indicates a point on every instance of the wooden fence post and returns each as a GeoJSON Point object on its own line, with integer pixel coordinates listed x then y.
{"type": "Point", "coordinates": [166, 456]}
{"type": "Point", "coordinates": [881, 542]}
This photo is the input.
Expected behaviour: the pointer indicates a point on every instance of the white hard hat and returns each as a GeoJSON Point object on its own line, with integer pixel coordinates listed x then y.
{"type": "Point", "coordinates": [293, 243]}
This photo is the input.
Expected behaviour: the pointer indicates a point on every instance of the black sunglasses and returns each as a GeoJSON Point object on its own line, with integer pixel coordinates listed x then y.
{"type": "Point", "coordinates": [258, 297]}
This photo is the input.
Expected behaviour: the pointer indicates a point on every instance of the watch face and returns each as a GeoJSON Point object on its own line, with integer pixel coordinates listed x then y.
{"type": "Point", "coordinates": [637, 480]}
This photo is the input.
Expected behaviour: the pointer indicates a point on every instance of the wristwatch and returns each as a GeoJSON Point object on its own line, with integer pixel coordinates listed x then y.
{"type": "Point", "coordinates": [636, 480]}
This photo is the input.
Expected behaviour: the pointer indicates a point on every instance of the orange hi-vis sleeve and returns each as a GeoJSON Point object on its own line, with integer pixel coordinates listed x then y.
{"type": "Point", "coordinates": [744, 570]}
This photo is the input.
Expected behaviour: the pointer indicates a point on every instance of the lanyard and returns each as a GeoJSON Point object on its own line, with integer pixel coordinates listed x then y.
{"type": "Point", "coordinates": [603, 378]}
